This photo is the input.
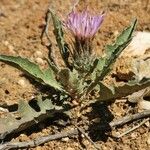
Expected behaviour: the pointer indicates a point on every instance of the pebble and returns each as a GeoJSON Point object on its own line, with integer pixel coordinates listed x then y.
{"type": "Point", "coordinates": [116, 33]}
{"type": "Point", "coordinates": [115, 134]}
{"type": "Point", "coordinates": [82, 135]}
{"type": "Point", "coordinates": [9, 46]}
{"type": "Point", "coordinates": [143, 104]}
{"type": "Point", "coordinates": [66, 139]}
{"type": "Point", "coordinates": [22, 83]}
{"type": "Point", "coordinates": [134, 135]}
{"type": "Point", "coordinates": [24, 137]}
{"type": "Point", "coordinates": [38, 54]}
{"type": "Point", "coordinates": [39, 61]}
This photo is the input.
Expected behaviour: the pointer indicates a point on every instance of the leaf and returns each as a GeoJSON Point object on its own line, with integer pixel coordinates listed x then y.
{"type": "Point", "coordinates": [71, 82]}
{"type": "Point", "coordinates": [98, 68]}
{"type": "Point", "coordinates": [58, 32]}
{"type": "Point", "coordinates": [112, 53]}
{"type": "Point", "coordinates": [112, 92]}
{"type": "Point", "coordinates": [27, 117]}
{"type": "Point", "coordinates": [45, 76]}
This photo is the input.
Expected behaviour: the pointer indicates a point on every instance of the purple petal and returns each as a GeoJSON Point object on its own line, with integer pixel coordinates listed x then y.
{"type": "Point", "coordinates": [83, 24]}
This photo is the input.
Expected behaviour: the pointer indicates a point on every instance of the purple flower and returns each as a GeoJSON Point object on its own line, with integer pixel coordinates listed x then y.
{"type": "Point", "coordinates": [83, 25]}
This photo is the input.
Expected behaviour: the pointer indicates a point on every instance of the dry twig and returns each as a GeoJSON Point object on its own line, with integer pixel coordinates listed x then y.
{"type": "Point", "coordinates": [132, 129]}
{"type": "Point", "coordinates": [42, 140]}
{"type": "Point", "coordinates": [38, 141]}
{"type": "Point", "coordinates": [88, 138]}
{"type": "Point", "coordinates": [130, 118]}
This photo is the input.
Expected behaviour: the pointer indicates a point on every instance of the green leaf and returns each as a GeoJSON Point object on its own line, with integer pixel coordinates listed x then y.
{"type": "Point", "coordinates": [99, 67]}
{"type": "Point", "coordinates": [71, 82]}
{"type": "Point", "coordinates": [112, 53]}
{"type": "Point", "coordinates": [58, 32]}
{"type": "Point", "coordinates": [46, 76]}
{"type": "Point", "coordinates": [112, 92]}
{"type": "Point", "coordinates": [122, 40]}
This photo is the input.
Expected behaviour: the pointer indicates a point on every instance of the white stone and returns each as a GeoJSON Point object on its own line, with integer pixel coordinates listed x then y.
{"type": "Point", "coordinates": [39, 61]}
{"type": "Point", "coordinates": [143, 104]}
{"type": "Point", "coordinates": [22, 83]}
{"type": "Point", "coordinates": [66, 139]}
{"type": "Point", "coordinates": [139, 44]}
{"type": "Point", "coordinates": [38, 54]}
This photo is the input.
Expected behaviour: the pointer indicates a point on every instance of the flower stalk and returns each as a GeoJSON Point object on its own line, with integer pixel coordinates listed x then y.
{"type": "Point", "coordinates": [83, 26]}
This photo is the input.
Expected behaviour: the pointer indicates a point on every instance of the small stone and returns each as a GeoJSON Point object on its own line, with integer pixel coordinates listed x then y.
{"type": "Point", "coordinates": [3, 110]}
{"type": "Point", "coordinates": [6, 43]}
{"type": "Point", "coordinates": [66, 139]}
{"type": "Point", "coordinates": [82, 135]}
{"type": "Point", "coordinates": [22, 83]}
{"type": "Point", "coordinates": [116, 33]}
{"type": "Point", "coordinates": [10, 47]}
{"type": "Point", "coordinates": [134, 135]}
{"type": "Point", "coordinates": [96, 120]}
{"type": "Point", "coordinates": [115, 134]}
{"type": "Point", "coordinates": [38, 54]}
{"type": "Point", "coordinates": [24, 137]}
{"type": "Point", "coordinates": [144, 104]}
{"type": "Point", "coordinates": [39, 61]}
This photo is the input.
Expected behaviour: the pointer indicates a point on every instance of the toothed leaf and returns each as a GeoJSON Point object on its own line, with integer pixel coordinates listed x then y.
{"type": "Point", "coordinates": [71, 82]}
{"type": "Point", "coordinates": [43, 76]}
{"type": "Point", "coordinates": [112, 53]}
{"type": "Point", "coordinates": [112, 92]}
{"type": "Point", "coordinates": [58, 32]}
{"type": "Point", "coordinates": [27, 117]}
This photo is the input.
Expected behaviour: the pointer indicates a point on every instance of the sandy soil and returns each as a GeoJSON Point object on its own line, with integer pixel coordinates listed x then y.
{"type": "Point", "coordinates": [21, 24]}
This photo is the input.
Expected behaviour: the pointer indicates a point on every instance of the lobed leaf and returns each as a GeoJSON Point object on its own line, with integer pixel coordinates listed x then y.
{"type": "Point", "coordinates": [58, 32]}
{"type": "Point", "coordinates": [71, 82]}
{"type": "Point", "coordinates": [112, 92]}
{"type": "Point", "coordinates": [112, 53]}
{"type": "Point", "coordinates": [46, 76]}
{"type": "Point", "coordinates": [27, 117]}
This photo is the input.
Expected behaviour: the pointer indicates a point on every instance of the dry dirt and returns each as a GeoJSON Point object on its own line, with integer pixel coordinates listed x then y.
{"type": "Point", "coordinates": [21, 24]}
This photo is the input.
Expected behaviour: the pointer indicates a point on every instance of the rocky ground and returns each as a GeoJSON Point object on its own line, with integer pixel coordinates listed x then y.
{"type": "Point", "coordinates": [21, 24]}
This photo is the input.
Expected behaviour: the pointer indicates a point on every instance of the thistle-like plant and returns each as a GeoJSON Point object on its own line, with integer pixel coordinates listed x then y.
{"type": "Point", "coordinates": [83, 71]}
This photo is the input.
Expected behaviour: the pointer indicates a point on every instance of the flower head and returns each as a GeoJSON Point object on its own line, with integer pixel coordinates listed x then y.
{"type": "Point", "coordinates": [83, 25]}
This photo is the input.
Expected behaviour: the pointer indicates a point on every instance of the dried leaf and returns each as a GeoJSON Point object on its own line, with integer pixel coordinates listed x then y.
{"type": "Point", "coordinates": [27, 117]}
{"type": "Point", "coordinates": [112, 92]}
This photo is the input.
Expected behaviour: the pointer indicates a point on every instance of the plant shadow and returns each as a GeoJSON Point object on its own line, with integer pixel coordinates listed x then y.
{"type": "Point", "coordinates": [101, 116]}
